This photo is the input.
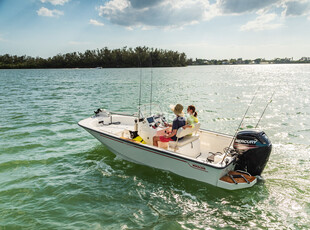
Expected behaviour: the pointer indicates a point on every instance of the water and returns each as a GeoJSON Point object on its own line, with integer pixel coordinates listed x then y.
{"type": "Point", "coordinates": [54, 175]}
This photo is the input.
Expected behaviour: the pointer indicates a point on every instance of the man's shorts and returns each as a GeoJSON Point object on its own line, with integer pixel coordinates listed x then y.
{"type": "Point", "coordinates": [164, 139]}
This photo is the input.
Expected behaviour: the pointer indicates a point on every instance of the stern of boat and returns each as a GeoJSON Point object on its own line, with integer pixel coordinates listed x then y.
{"type": "Point", "coordinates": [235, 180]}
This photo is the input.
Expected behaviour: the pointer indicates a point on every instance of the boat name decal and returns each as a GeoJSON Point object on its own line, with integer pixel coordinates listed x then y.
{"type": "Point", "coordinates": [198, 167]}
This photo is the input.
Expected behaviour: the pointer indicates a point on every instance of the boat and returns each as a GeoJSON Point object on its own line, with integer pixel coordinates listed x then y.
{"type": "Point", "coordinates": [225, 161]}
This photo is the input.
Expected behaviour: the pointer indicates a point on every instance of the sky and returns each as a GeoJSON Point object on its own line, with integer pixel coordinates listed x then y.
{"type": "Point", "coordinates": [211, 29]}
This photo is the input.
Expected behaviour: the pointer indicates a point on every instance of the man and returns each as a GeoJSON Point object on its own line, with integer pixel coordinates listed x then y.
{"type": "Point", "coordinates": [178, 122]}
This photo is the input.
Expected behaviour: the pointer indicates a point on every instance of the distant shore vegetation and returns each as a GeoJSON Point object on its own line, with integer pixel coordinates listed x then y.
{"type": "Point", "coordinates": [99, 58]}
{"type": "Point", "coordinates": [125, 58]}
{"type": "Point", "coordinates": [240, 61]}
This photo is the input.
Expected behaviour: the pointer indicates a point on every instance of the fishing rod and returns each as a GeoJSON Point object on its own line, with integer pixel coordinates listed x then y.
{"type": "Point", "coordinates": [140, 86]}
{"type": "Point", "coordinates": [226, 152]}
{"type": "Point", "coordinates": [151, 84]}
{"type": "Point", "coordinates": [265, 109]}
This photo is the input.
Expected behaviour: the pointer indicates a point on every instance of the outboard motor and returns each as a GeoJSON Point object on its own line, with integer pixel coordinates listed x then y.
{"type": "Point", "coordinates": [254, 149]}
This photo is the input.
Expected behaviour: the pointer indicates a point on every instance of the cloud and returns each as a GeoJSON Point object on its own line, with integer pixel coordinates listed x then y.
{"type": "Point", "coordinates": [265, 19]}
{"type": "Point", "coordinates": [49, 13]}
{"type": "Point", "coordinates": [144, 3]}
{"type": "Point", "coordinates": [292, 7]}
{"type": "Point", "coordinates": [147, 14]}
{"type": "Point", "coordinates": [95, 22]}
{"type": "Point", "coordinates": [157, 13]}
{"type": "Point", "coordinates": [55, 2]}
{"type": "Point", "coordinates": [262, 22]}
{"type": "Point", "coordinates": [243, 6]}
{"type": "Point", "coordinates": [297, 8]}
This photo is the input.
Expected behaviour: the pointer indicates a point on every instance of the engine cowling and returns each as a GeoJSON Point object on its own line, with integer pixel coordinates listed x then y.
{"type": "Point", "coordinates": [253, 148]}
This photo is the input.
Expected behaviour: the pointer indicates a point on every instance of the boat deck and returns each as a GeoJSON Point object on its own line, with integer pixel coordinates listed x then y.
{"type": "Point", "coordinates": [207, 148]}
{"type": "Point", "coordinates": [238, 177]}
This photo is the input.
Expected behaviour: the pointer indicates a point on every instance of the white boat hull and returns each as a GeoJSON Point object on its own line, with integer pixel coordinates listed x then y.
{"type": "Point", "coordinates": [186, 166]}
{"type": "Point", "coordinates": [145, 155]}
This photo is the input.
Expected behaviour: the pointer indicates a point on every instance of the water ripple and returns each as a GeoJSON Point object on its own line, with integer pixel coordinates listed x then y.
{"type": "Point", "coordinates": [53, 175]}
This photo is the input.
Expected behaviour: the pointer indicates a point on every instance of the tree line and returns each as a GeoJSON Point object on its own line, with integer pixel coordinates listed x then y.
{"type": "Point", "coordinates": [105, 58]}
{"type": "Point", "coordinates": [240, 61]}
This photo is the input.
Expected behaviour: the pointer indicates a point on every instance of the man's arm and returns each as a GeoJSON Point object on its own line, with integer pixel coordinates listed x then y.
{"type": "Point", "coordinates": [168, 125]}
{"type": "Point", "coordinates": [174, 132]}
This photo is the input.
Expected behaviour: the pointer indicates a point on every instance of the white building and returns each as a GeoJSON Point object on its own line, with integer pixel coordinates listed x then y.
{"type": "Point", "coordinates": [305, 59]}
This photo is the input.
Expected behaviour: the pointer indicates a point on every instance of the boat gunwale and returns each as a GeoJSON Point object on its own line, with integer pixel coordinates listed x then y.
{"type": "Point", "coordinates": [170, 153]}
{"type": "Point", "coordinates": [132, 115]}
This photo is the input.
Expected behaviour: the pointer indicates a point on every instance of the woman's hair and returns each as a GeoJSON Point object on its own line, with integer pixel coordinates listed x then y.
{"type": "Point", "coordinates": [191, 107]}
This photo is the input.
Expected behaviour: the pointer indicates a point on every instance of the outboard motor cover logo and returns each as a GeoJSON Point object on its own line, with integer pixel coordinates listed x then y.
{"type": "Point", "coordinates": [243, 145]}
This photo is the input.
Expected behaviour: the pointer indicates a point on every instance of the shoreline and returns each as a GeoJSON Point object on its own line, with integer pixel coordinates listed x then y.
{"type": "Point", "coordinates": [134, 67]}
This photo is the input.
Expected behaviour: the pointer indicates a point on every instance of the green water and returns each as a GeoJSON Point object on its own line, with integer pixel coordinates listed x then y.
{"type": "Point", "coordinates": [54, 175]}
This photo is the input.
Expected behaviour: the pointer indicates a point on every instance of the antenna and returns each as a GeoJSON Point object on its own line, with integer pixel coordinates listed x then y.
{"type": "Point", "coordinates": [151, 84]}
{"type": "Point", "coordinates": [265, 109]}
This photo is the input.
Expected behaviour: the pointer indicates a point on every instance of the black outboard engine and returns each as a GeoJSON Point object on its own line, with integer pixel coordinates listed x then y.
{"type": "Point", "coordinates": [254, 149]}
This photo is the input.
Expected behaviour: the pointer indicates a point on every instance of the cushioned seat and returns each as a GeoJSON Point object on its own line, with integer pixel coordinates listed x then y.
{"type": "Point", "coordinates": [184, 141]}
{"type": "Point", "coordinates": [186, 138]}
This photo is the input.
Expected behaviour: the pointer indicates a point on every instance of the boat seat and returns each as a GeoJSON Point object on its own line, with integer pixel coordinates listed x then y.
{"type": "Point", "coordinates": [186, 140]}
{"type": "Point", "coordinates": [187, 137]}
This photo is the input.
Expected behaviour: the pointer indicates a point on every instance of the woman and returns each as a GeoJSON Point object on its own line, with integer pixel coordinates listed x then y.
{"type": "Point", "coordinates": [192, 118]}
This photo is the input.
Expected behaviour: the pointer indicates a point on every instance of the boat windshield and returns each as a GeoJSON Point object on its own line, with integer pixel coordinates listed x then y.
{"type": "Point", "coordinates": [147, 110]}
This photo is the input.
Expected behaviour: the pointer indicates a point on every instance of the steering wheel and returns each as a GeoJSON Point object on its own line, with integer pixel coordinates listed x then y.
{"type": "Point", "coordinates": [163, 121]}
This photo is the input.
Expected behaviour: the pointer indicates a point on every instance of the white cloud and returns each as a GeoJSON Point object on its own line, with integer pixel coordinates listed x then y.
{"type": "Point", "coordinates": [95, 22]}
{"type": "Point", "coordinates": [157, 13]}
{"type": "Point", "coordinates": [55, 2]}
{"type": "Point", "coordinates": [167, 14]}
{"type": "Point", "coordinates": [262, 22]}
{"type": "Point", "coordinates": [291, 7]}
{"type": "Point", "coordinates": [267, 19]}
{"type": "Point", "coordinates": [49, 13]}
